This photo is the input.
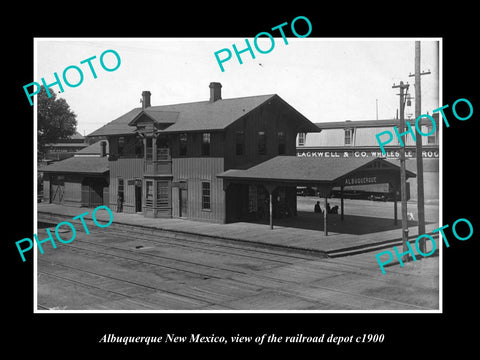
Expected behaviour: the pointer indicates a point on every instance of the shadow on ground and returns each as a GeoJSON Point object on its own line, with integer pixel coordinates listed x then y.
{"type": "Point", "coordinates": [351, 224]}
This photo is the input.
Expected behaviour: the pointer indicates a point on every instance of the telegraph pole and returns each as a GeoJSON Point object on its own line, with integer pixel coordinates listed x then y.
{"type": "Point", "coordinates": [403, 177]}
{"type": "Point", "coordinates": [418, 112]}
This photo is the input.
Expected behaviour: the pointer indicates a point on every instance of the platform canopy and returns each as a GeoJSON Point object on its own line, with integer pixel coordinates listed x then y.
{"type": "Point", "coordinates": [324, 173]}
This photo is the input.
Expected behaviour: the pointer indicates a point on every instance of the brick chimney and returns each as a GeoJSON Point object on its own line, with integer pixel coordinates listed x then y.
{"type": "Point", "coordinates": [146, 99]}
{"type": "Point", "coordinates": [215, 91]}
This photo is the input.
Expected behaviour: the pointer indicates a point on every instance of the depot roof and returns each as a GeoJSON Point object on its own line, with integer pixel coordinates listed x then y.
{"type": "Point", "coordinates": [305, 170]}
{"type": "Point", "coordinates": [199, 116]}
{"type": "Point", "coordinates": [82, 165]}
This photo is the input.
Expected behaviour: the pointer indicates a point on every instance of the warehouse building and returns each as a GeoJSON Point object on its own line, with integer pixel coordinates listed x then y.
{"type": "Point", "coordinates": [356, 139]}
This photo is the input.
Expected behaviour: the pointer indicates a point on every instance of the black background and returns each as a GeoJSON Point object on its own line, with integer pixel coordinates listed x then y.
{"type": "Point", "coordinates": [61, 335]}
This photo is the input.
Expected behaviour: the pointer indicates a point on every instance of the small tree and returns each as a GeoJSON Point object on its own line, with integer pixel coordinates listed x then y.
{"type": "Point", "coordinates": [55, 121]}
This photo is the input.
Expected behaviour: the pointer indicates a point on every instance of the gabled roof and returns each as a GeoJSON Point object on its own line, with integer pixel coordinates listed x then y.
{"type": "Point", "coordinates": [80, 165]}
{"type": "Point", "coordinates": [196, 116]}
{"type": "Point", "coordinates": [304, 169]}
{"type": "Point", "coordinates": [157, 115]}
{"type": "Point", "coordinates": [119, 126]}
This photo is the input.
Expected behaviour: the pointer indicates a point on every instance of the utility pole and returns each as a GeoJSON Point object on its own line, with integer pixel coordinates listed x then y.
{"type": "Point", "coordinates": [418, 112]}
{"type": "Point", "coordinates": [403, 177]}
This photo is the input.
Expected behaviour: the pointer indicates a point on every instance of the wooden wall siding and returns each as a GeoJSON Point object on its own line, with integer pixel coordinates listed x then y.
{"type": "Point", "coordinates": [194, 144]}
{"type": "Point", "coordinates": [194, 171]}
{"type": "Point", "coordinates": [128, 169]}
{"type": "Point", "coordinates": [268, 118]}
{"type": "Point", "coordinates": [46, 188]}
{"type": "Point", "coordinates": [159, 167]}
{"type": "Point", "coordinates": [73, 191]}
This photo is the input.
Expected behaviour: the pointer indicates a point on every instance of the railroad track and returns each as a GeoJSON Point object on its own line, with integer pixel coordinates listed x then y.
{"type": "Point", "coordinates": [198, 272]}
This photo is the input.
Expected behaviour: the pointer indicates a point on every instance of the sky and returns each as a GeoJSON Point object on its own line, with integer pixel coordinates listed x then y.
{"type": "Point", "coordinates": [325, 79]}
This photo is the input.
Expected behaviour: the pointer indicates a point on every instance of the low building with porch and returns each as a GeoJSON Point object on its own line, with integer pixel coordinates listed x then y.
{"type": "Point", "coordinates": [81, 180]}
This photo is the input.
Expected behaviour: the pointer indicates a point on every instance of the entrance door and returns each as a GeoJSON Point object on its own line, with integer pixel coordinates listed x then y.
{"type": "Point", "coordinates": [183, 202]}
{"type": "Point", "coordinates": [92, 192]}
{"type": "Point", "coordinates": [138, 196]}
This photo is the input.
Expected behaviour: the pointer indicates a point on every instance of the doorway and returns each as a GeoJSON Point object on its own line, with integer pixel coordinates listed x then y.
{"type": "Point", "coordinates": [138, 196]}
{"type": "Point", "coordinates": [183, 202]}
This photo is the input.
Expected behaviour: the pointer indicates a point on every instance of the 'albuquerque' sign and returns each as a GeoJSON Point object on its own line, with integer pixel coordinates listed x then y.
{"type": "Point", "coordinates": [361, 180]}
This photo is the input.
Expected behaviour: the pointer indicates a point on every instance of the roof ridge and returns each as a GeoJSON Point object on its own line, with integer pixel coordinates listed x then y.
{"type": "Point", "coordinates": [208, 101]}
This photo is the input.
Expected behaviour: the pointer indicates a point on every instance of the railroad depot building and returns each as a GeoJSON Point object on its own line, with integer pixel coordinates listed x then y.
{"type": "Point", "coordinates": [218, 160]}
{"type": "Point", "coordinates": [356, 139]}
{"type": "Point", "coordinates": [164, 160]}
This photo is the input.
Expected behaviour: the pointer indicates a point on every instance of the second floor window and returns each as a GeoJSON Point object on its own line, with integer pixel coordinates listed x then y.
{"type": "Point", "coordinates": [163, 152]}
{"type": "Point", "coordinates": [262, 143]}
{"type": "Point", "coordinates": [121, 144]}
{"type": "Point", "coordinates": [301, 139]}
{"type": "Point", "coordinates": [281, 143]}
{"type": "Point", "coordinates": [205, 144]}
{"type": "Point", "coordinates": [348, 136]}
{"type": "Point", "coordinates": [139, 147]}
{"type": "Point", "coordinates": [182, 141]}
{"type": "Point", "coordinates": [240, 142]}
{"type": "Point", "coordinates": [431, 139]}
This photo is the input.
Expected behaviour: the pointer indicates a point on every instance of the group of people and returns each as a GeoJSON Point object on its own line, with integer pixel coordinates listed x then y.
{"type": "Point", "coordinates": [318, 209]}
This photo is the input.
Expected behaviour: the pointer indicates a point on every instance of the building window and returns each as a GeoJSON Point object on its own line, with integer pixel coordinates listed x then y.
{"type": "Point", "coordinates": [205, 144]}
{"type": "Point", "coordinates": [182, 140]}
{"type": "Point", "coordinates": [348, 136]}
{"type": "Point", "coordinates": [149, 149]}
{"type": "Point", "coordinates": [262, 143]}
{"type": "Point", "coordinates": [431, 139]}
{"type": "Point", "coordinates": [162, 194]}
{"type": "Point", "coordinates": [138, 147]}
{"type": "Point", "coordinates": [205, 195]}
{"type": "Point", "coordinates": [301, 139]}
{"type": "Point", "coordinates": [120, 144]}
{"type": "Point", "coordinates": [163, 152]}
{"type": "Point", "coordinates": [240, 142]}
{"type": "Point", "coordinates": [281, 143]}
{"type": "Point", "coordinates": [149, 193]}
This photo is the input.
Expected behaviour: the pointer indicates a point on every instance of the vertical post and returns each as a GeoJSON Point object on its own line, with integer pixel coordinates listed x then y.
{"type": "Point", "coordinates": [395, 210]}
{"type": "Point", "coordinates": [341, 202]}
{"type": "Point", "coordinates": [403, 179]}
{"type": "Point", "coordinates": [420, 190]}
{"type": "Point", "coordinates": [325, 215]}
{"type": "Point", "coordinates": [270, 188]}
{"type": "Point", "coordinates": [271, 208]}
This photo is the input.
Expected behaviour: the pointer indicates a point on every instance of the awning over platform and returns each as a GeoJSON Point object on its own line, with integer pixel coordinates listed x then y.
{"type": "Point", "coordinates": [324, 174]}
{"type": "Point", "coordinates": [314, 171]}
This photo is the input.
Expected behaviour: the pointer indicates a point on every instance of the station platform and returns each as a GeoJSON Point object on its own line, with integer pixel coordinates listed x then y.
{"type": "Point", "coordinates": [356, 233]}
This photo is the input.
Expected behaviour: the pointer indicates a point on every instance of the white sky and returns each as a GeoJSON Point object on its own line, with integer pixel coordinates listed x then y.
{"type": "Point", "coordinates": [324, 79]}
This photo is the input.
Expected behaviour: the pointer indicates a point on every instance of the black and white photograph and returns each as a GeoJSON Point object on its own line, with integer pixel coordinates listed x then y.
{"type": "Point", "coordinates": [247, 192]}
{"type": "Point", "coordinates": [247, 184]}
